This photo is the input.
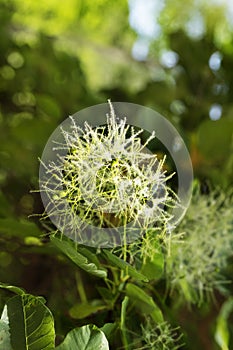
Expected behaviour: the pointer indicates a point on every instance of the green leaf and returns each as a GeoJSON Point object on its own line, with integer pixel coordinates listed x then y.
{"type": "Point", "coordinates": [153, 268]}
{"type": "Point", "coordinates": [108, 329]}
{"type": "Point", "coordinates": [222, 334]}
{"type": "Point", "coordinates": [79, 311]}
{"type": "Point", "coordinates": [31, 323]}
{"type": "Point", "coordinates": [123, 265]}
{"type": "Point", "coordinates": [85, 338]}
{"type": "Point", "coordinates": [67, 247]}
{"type": "Point", "coordinates": [13, 289]}
{"type": "Point", "coordinates": [88, 254]}
{"type": "Point", "coordinates": [144, 302]}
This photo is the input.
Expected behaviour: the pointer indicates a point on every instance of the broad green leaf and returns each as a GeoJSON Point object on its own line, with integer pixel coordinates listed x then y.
{"type": "Point", "coordinates": [144, 302]}
{"type": "Point", "coordinates": [123, 265]}
{"type": "Point", "coordinates": [222, 334]}
{"type": "Point", "coordinates": [79, 311]}
{"type": "Point", "coordinates": [85, 338]}
{"type": "Point", "coordinates": [13, 289]}
{"type": "Point", "coordinates": [67, 247]}
{"type": "Point", "coordinates": [31, 323]}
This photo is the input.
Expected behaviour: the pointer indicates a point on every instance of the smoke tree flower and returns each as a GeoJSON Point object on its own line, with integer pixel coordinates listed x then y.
{"type": "Point", "coordinates": [159, 336]}
{"type": "Point", "coordinates": [197, 258]}
{"type": "Point", "coordinates": [107, 188]}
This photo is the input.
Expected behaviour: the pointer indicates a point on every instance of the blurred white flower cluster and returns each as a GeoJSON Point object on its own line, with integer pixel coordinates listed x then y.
{"type": "Point", "coordinates": [197, 259]}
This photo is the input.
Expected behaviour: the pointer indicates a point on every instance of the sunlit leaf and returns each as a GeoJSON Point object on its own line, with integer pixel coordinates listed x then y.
{"type": "Point", "coordinates": [85, 338]}
{"type": "Point", "coordinates": [31, 323]}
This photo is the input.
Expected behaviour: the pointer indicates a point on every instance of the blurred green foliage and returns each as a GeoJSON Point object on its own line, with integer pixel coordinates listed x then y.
{"type": "Point", "coordinates": [57, 59]}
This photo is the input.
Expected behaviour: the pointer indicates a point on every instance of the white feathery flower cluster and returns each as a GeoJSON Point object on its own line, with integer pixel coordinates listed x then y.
{"type": "Point", "coordinates": [196, 260]}
{"type": "Point", "coordinates": [106, 179]}
{"type": "Point", "coordinates": [160, 336]}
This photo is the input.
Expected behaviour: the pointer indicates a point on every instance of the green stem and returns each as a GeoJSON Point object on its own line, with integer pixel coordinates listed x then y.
{"type": "Point", "coordinates": [80, 287]}
{"type": "Point", "coordinates": [124, 249]}
{"type": "Point", "coordinates": [122, 324]}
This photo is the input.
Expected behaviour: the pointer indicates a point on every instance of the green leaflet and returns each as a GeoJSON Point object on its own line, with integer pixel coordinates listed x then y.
{"type": "Point", "coordinates": [82, 310]}
{"type": "Point", "coordinates": [31, 323]}
{"type": "Point", "coordinates": [144, 302]}
{"type": "Point", "coordinates": [130, 270]}
{"type": "Point", "coordinates": [153, 268]}
{"type": "Point", "coordinates": [108, 329]}
{"type": "Point", "coordinates": [88, 254]}
{"type": "Point", "coordinates": [222, 333]}
{"type": "Point", "coordinates": [67, 247]}
{"type": "Point", "coordinates": [85, 338]}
